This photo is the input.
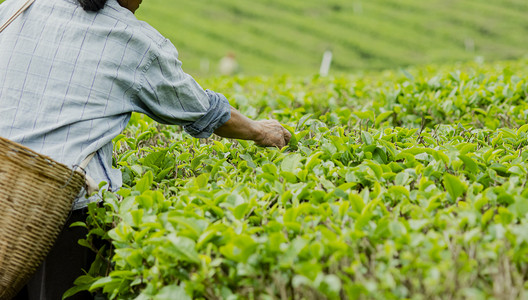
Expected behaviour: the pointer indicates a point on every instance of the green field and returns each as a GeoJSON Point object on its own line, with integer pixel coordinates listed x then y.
{"type": "Point", "coordinates": [289, 37]}
{"type": "Point", "coordinates": [277, 36]}
{"type": "Point", "coordinates": [396, 185]}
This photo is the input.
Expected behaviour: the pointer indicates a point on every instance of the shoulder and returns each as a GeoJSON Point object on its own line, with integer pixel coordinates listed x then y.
{"type": "Point", "coordinates": [8, 3]}
{"type": "Point", "coordinates": [141, 30]}
{"type": "Point", "coordinates": [7, 8]}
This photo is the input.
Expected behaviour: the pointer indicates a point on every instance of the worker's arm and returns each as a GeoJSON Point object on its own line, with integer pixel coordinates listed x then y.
{"type": "Point", "coordinates": [266, 133]}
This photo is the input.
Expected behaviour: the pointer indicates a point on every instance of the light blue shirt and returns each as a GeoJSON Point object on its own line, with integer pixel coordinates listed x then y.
{"type": "Point", "coordinates": [70, 79]}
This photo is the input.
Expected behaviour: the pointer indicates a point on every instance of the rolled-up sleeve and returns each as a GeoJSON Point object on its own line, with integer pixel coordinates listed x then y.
{"type": "Point", "coordinates": [170, 96]}
{"type": "Point", "coordinates": [219, 113]}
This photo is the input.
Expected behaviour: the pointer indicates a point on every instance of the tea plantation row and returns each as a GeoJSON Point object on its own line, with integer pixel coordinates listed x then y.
{"type": "Point", "coordinates": [289, 37]}
{"type": "Point", "coordinates": [277, 36]}
{"type": "Point", "coordinates": [395, 185]}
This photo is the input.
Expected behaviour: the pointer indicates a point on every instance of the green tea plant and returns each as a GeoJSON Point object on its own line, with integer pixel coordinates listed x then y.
{"type": "Point", "coordinates": [407, 184]}
{"type": "Point", "coordinates": [363, 35]}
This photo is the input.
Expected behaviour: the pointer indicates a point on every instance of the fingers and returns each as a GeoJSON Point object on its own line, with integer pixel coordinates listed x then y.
{"type": "Point", "coordinates": [283, 136]}
{"type": "Point", "coordinates": [287, 136]}
{"type": "Point", "coordinates": [275, 135]}
{"type": "Point", "coordinates": [280, 135]}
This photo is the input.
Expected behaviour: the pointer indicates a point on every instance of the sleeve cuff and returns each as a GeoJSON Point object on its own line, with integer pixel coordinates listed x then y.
{"type": "Point", "coordinates": [218, 114]}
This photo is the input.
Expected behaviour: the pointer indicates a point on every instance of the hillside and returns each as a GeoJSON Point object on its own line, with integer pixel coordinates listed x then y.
{"type": "Point", "coordinates": [277, 36]}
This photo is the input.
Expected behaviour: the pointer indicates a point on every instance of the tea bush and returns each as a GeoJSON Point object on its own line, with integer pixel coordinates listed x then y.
{"type": "Point", "coordinates": [405, 184]}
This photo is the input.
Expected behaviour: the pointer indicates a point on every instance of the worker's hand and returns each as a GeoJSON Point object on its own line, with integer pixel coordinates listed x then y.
{"type": "Point", "coordinates": [266, 133]}
{"type": "Point", "coordinates": [272, 134]}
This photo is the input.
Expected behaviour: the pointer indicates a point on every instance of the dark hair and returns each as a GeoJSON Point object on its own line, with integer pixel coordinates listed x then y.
{"type": "Point", "coordinates": [92, 5]}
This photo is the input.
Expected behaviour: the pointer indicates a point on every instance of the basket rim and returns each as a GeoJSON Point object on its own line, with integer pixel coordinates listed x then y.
{"type": "Point", "coordinates": [7, 146]}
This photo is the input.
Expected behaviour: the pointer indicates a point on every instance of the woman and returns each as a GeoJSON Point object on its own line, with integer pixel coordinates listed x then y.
{"type": "Point", "coordinates": [71, 74]}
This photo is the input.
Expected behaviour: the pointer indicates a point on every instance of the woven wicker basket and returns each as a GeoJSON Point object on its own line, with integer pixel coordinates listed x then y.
{"type": "Point", "coordinates": [36, 196]}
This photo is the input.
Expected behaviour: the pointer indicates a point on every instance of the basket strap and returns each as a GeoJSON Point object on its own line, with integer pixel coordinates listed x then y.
{"type": "Point", "coordinates": [16, 14]}
{"type": "Point", "coordinates": [85, 162]}
{"type": "Point", "coordinates": [90, 184]}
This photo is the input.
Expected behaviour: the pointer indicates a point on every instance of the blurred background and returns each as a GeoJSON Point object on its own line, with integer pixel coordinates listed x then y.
{"type": "Point", "coordinates": [306, 37]}
{"type": "Point", "coordinates": [292, 36]}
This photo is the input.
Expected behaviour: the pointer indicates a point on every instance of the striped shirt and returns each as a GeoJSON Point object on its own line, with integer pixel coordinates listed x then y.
{"type": "Point", "coordinates": [70, 79]}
